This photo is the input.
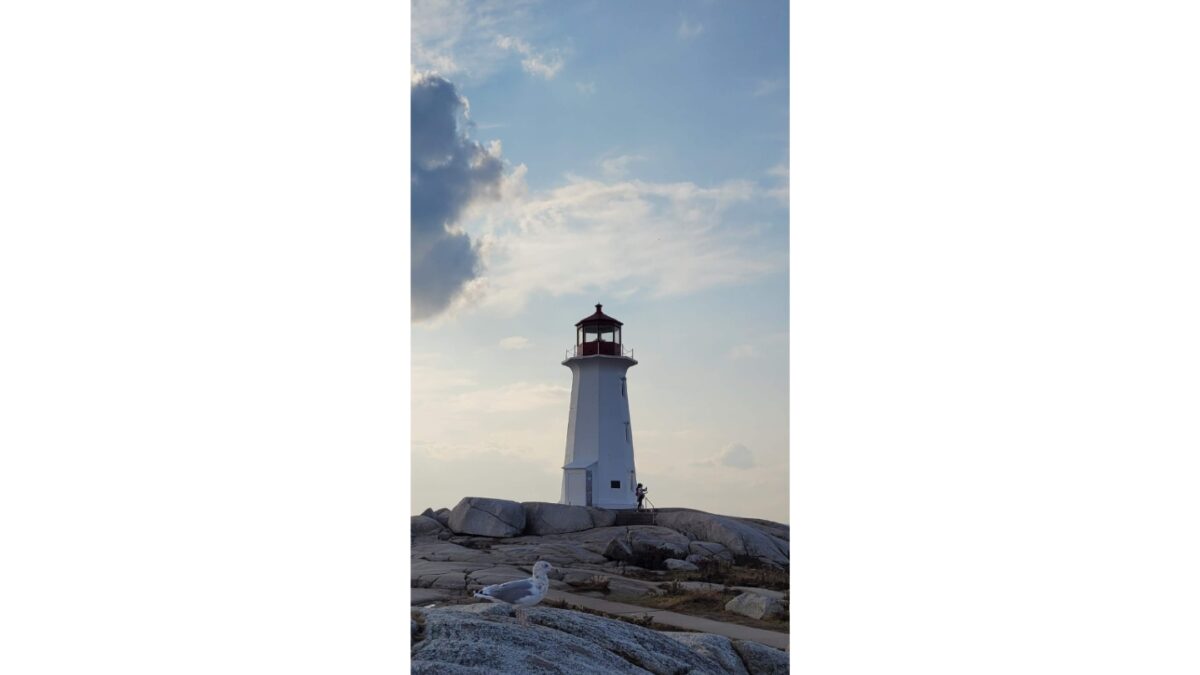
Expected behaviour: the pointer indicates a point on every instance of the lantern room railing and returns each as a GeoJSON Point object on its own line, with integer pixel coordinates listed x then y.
{"type": "Point", "coordinates": [599, 349]}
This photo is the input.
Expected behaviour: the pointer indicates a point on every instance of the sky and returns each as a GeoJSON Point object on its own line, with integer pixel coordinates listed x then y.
{"type": "Point", "coordinates": [626, 153]}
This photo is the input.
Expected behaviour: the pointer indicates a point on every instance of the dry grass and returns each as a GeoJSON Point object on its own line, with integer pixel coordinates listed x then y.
{"type": "Point", "coordinates": [714, 572]}
{"type": "Point", "coordinates": [645, 620]}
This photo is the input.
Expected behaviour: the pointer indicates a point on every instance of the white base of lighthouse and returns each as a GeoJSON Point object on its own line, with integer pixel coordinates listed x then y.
{"type": "Point", "coordinates": [598, 469]}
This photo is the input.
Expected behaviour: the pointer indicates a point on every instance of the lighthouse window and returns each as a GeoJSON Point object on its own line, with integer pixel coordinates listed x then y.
{"type": "Point", "coordinates": [615, 484]}
{"type": "Point", "coordinates": [622, 386]}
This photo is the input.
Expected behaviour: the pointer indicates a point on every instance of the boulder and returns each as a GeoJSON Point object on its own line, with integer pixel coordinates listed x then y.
{"type": "Point", "coordinates": [545, 518]}
{"type": "Point", "coordinates": [676, 565]}
{"type": "Point", "coordinates": [761, 659]}
{"type": "Point", "coordinates": [424, 526]}
{"type": "Point", "coordinates": [716, 647]}
{"type": "Point", "coordinates": [486, 639]}
{"type": "Point", "coordinates": [603, 517]}
{"type": "Point", "coordinates": [618, 549]}
{"type": "Point", "coordinates": [757, 606]}
{"type": "Point", "coordinates": [644, 545]}
{"type": "Point", "coordinates": [487, 517]}
{"type": "Point", "coordinates": [747, 541]}
{"type": "Point", "coordinates": [442, 516]}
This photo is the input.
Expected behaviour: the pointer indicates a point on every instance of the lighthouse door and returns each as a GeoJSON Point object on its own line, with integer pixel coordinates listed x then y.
{"type": "Point", "coordinates": [589, 487]}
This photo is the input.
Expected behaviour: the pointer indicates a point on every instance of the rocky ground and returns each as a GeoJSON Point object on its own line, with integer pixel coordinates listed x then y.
{"type": "Point", "coordinates": [740, 562]}
{"type": "Point", "coordinates": [485, 639]}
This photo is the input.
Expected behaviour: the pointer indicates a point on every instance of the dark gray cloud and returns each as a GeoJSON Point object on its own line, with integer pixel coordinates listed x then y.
{"type": "Point", "coordinates": [449, 171]}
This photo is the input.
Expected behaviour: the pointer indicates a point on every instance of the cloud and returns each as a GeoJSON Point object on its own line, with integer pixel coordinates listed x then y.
{"type": "Point", "coordinates": [689, 29]}
{"type": "Point", "coordinates": [617, 167]}
{"type": "Point", "coordinates": [449, 173]}
{"type": "Point", "coordinates": [782, 192]}
{"type": "Point", "coordinates": [455, 38]}
{"type": "Point", "coordinates": [514, 342]}
{"type": "Point", "coordinates": [586, 88]}
{"type": "Point", "coordinates": [736, 456]}
{"type": "Point", "coordinates": [543, 64]}
{"type": "Point", "coordinates": [620, 238]}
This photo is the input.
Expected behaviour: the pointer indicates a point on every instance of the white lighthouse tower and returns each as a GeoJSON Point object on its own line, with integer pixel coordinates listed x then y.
{"type": "Point", "coordinates": [599, 469]}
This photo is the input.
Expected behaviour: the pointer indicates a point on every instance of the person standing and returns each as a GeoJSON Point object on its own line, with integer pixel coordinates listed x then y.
{"type": "Point", "coordinates": [641, 495]}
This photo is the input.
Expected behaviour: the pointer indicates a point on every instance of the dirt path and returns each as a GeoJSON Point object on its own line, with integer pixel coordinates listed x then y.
{"type": "Point", "coordinates": [677, 620]}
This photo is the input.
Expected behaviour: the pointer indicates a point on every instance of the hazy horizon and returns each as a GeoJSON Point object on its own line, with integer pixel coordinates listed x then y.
{"type": "Point", "coordinates": [628, 154]}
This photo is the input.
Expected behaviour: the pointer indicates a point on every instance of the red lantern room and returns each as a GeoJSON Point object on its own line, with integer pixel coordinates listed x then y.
{"type": "Point", "coordinates": [598, 334]}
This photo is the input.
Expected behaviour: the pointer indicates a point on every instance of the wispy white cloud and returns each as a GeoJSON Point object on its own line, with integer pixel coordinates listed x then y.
{"type": "Point", "coordinates": [515, 342]}
{"type": "Point", "coordinates": [689, 29]}
{"type": "Point", "coordinates": [659, 239]}
{"type": "Point", "coordinates": [586, 88]}
{"type": "Point", "coordinates": [459, 39]}
{"type": "Point", "coordinates": [618, 166]}
{"type": "Point", "coordinates": [781, 191]}
{"type": "Point", "coordinates": [545, 64]}
{"type": "Point", "coordinates": [734, 455]}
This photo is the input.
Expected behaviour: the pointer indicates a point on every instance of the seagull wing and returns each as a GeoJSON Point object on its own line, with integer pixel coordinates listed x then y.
{"type": "Point", "coordinates": [511, 592]}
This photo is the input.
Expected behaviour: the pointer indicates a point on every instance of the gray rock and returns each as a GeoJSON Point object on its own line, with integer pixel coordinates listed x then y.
{"type": "Point", "coordinates": [716, 647]}
{"type": "Point", "coordinates": [447, 551]}
{"type": "Point", "coordinates": [488, 640]}
{"type": "Point", "coordinates": [653, 536]}
{"type": "Point", "coordinates": [618, 549]}
{"type": "Point", "coordinates": [439, 574]}
{"type": "Point", "coordinates": [603, 517]}
{"type": "Point", "coordinates": [545, 518]}
{"type": "Point", "coordinates": [424, 526]}
{"type": "Point", "coordinates": [744, 539]}
{"type": "Point", "coordinates": [645, 648]}
{"type": "Point", "coordinates": [761, 659]}
{"type": "Point", "coordinates": [431, 668]}
{"type": "Point", "coordinates": [676, 565]}
{"type": "Point", "coordinates": [494, 575]}
{"type": "Point", "coordinates": [644, 545]}
{"type": "Point", "coordinates": [710, 549]}
{"type": "Point", "coordinates": [442, 516]}
{"type": "Point", "coordinates": [594, 540]}
{"type": "Point", "coordinates": [559, 553]}
{"type": "Point", "coordinates": [757, 606]}
{"type": "Point", "coordinates": [487, 517]}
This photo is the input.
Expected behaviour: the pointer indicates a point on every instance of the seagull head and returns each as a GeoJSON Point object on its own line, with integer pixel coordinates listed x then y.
{"type": "Point", "coordinates": [540, 568]}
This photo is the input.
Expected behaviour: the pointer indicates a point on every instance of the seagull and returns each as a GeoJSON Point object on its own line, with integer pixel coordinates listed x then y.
{"type": "Point", "coordinates": [522, 593]}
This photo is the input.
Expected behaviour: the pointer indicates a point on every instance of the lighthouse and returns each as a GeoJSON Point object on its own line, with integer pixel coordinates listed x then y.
{"type": "Point", "coordinates": [598, 470]}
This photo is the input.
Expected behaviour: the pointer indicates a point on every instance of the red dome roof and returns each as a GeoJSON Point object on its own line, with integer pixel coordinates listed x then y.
{"type": "Point", "coordinates": [598, 317]}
